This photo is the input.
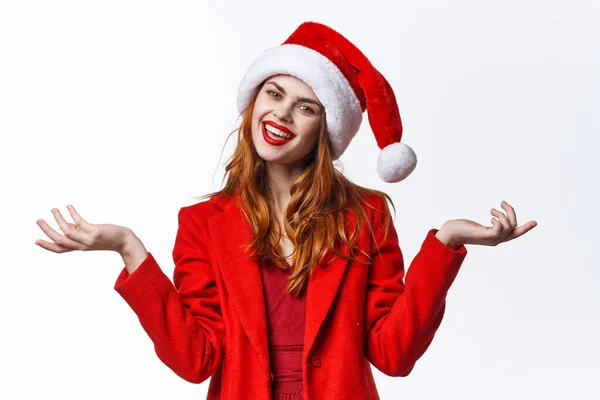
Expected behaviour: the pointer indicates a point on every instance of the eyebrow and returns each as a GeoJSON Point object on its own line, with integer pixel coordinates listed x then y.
{"type": "Point", "coordinates": [304, 99]}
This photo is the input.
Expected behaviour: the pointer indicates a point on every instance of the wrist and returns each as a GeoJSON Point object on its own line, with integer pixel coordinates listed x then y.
{"type": "Point", "coordinates": [132, 251]}
{"type": "Point", "coordinates": [128, 243]}
{"type": "Point", "coordinates": [450, 240]}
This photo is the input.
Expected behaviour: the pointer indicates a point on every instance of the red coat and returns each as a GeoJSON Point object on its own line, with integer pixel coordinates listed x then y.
{"type": "Point", "coordinates": [212, 321]}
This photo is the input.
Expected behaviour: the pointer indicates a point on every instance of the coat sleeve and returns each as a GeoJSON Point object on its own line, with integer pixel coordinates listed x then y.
{"type": "Point", "coordinates": [183, 319]}
{"type": "Point", "coordinates": [402, 317]}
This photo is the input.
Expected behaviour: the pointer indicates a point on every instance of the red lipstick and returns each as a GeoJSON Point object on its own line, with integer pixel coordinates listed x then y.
{"type": "Point", "coordinates": [280, 127]}
{"type": "Point", "coordinates": [273, 139]}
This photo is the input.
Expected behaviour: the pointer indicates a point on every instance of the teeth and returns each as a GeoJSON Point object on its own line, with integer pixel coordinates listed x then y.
{"type": "Point", "coordinates": [277, 132]}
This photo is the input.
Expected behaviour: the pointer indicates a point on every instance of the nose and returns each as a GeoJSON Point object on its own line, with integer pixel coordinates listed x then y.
{"type": "Point", "coordinates": [283, 113]}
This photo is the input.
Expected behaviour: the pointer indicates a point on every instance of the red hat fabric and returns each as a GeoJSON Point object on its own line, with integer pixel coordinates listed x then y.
{"type": "Point", "coordinates": [347, 84]}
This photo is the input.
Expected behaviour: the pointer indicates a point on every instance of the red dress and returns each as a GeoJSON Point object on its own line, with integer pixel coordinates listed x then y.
{"type": "Point", "coordinates": [285, 322]}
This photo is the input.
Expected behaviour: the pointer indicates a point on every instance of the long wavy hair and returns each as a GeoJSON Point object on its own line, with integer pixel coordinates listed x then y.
{"type": "Point", "coordinates": [314, 219]}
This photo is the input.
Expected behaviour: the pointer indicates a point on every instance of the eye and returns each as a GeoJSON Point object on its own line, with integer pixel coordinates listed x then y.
{"type": "Point", "coordinates": [272, 93]}
{"type": "Point", "coordinates": [309, 109]}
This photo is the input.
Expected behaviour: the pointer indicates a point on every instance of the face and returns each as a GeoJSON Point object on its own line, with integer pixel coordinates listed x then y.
{"type": "Point", "coordinates": [286, 106]}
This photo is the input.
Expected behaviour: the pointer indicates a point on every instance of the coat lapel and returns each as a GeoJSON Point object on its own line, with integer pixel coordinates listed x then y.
{"type": "Point", "coordinates": [229, 231]}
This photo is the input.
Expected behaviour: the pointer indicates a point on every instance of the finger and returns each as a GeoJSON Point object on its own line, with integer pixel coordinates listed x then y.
{"type": "Point", "coordinates": [56, 248]}
{"type": "Point", "coordinates": [521, 230]}
{"type": "Point", "coordinates": [58, 238]}
{"type": "Point", "coordinates": [64, 225]}
{"type": "Point", "coordinates": [496, 231]}
{"type": "Point", "coordinates": [83, 224]}
{"type": "Point", "coordinates": [512, 216]}
{"type": "Point", "coordinates": [506, 229]}
{"type": "Point", "coordinates": [69, 229]}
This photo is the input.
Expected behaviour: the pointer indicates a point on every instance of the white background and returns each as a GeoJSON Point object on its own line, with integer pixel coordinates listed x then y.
{"type": "Point", "coordinates": [122, 108]}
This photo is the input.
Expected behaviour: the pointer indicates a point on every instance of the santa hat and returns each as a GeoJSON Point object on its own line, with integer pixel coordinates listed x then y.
{"type": "Point", "coordinates": [347, 84]}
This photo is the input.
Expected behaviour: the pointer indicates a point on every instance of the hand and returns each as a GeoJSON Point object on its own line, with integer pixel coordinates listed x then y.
{"type": "Point", "coordinates": [82, 235]}
{"type": "Point", "coordinates": [464, 231]}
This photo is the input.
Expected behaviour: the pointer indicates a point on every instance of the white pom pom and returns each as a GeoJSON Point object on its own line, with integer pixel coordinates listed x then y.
{"type": "Point", "coordinates": [395, 162]}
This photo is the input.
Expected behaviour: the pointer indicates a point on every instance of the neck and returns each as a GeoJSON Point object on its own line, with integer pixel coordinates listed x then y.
{"type": "Point", "coordinates": [280, 177]}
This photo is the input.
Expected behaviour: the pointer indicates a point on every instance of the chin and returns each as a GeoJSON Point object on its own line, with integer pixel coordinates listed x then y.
{"type": "Point", "coordinates": [270, 156]}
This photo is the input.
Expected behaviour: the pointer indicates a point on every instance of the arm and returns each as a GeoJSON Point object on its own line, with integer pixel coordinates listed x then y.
{"type": "Point", "coordinates": [401, 319]}
{"type": "Point", "coordinates": [183, 319]}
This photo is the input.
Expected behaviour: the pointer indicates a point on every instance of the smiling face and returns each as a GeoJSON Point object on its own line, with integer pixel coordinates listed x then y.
{"type": "Point", "coordinates": [286, 106]}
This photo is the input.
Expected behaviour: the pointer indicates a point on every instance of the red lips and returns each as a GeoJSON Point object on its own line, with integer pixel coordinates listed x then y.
{"type": "Point", "coordinates": [280, 127]}
{"type": "Point", "coordinates": [272, 140]}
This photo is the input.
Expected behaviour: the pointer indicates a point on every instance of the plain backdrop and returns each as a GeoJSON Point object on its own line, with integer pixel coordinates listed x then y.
{"type": "Point", "coordinates": [122, 108]}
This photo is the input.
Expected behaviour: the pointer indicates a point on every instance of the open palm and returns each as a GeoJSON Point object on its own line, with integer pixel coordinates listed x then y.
{"type": "Point", "coordinates": [81, 235]}
{"type": "Point", "coordinates": [503, 229]}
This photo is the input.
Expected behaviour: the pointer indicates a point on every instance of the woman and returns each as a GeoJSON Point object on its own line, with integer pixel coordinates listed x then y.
{"type": "Point", "coordinates": [289, 282]}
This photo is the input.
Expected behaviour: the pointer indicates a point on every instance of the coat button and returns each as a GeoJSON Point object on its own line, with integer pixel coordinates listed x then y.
{"type": "Point", "coordinates": [315, 362]}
